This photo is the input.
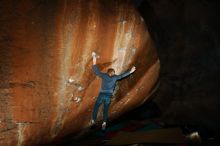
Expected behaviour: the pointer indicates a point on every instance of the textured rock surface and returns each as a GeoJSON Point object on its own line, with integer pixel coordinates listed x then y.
{"type": "Point", "coordinates": [47, 87]}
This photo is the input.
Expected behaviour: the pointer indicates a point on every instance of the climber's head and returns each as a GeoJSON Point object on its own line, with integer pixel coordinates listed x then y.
{"type": "Point", "coordinates": [111, 72]}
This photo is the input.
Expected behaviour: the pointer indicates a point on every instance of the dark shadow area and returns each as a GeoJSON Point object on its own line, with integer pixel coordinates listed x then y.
{"type": "Point", "coordinates": [143, 116]}
{"type": "Point", "coordinates": [186, 35]}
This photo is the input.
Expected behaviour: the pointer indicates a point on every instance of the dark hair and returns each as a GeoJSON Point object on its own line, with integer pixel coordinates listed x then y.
{"type": "Point", "coordinates": [110, 70]}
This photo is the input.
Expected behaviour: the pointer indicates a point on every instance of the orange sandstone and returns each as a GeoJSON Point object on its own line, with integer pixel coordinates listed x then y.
{"type": "Point", "coordinates": [47, 87]}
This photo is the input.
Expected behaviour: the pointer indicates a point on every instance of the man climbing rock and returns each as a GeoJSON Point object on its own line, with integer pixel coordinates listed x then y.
{"type": "Point", "coordinates": [109, 80]}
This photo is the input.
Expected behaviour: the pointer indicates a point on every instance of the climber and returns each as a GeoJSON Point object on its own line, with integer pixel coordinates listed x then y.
{"type": "Point", "coordinates": [109, 80]}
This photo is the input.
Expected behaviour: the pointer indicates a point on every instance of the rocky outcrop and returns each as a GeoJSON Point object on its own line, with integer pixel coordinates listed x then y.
{"type": "Point", "coordinates": [47, 87]}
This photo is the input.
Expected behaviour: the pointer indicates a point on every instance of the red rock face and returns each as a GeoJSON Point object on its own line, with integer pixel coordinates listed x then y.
{"type": "Point", "coordinates": [48, 88]}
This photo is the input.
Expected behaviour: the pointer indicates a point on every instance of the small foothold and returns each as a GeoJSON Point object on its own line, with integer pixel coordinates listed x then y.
{"type": "Point", "coordinates": [124, 21]}
{"type": "Point", "coordinates": [70, 80]}
{"type": "Point", "coordinates": [80, 88]}
{"type": "Point", "coordinates": [77, 99]}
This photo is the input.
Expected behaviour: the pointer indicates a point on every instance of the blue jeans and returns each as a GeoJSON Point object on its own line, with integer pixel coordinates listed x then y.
{"type": "Point", "coordinates": [103, 98]}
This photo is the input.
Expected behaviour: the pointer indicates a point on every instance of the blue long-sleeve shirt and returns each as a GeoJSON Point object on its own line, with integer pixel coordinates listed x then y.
{"type": "Point", "coordinates": [108, 82]}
